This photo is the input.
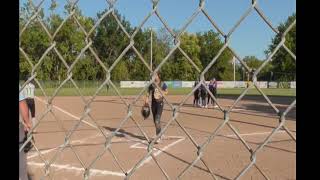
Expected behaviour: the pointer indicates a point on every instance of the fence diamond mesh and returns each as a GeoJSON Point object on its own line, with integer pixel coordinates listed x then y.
{"type": "Point", "coordinates": [175, 108]}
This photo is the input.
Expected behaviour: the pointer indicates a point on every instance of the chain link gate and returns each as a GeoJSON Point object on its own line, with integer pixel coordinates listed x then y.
{"type": "Point", "coordinates": [175, 108]}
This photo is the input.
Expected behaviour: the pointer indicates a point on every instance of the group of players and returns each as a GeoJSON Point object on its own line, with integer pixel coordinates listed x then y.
{"type": "Point", "coordinates": [201, 95]}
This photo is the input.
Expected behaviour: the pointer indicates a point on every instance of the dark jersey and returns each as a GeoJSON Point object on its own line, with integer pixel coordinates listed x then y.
{"type": "Point", "coordinates": [213, 86]}
{"type": "Point", "coordinates": [203, 90]}
{"type": "Point", "coordinates": [152, 89]}
{"type": "Point", "coordinates": [196, 92]}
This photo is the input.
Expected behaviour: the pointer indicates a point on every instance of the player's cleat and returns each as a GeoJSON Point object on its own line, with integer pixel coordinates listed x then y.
{"type": "Point", "coordinates": [158, 140]}
{"type": "Point", "coordinates": [29, 145]}
{"type": "Point", "coordinates": [206, 106]}
{"type": "Point", "coordinates": [215, 106]}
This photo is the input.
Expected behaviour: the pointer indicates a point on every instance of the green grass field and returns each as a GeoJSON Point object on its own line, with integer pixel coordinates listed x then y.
{"type": "Point", "coordinates": [178, 91]}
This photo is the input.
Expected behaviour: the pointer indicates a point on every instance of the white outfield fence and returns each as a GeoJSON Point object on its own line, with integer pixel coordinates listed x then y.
{"type": "Point", "coordinates": [221, 84]}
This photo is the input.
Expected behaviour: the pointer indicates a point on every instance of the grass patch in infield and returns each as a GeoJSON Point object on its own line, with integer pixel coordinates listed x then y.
{"type": "Point", "coordinates": [178, 91]}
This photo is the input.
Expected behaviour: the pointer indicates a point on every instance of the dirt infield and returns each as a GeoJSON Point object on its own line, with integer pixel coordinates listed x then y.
{"type": "Point", "coordinates": [226, 156]}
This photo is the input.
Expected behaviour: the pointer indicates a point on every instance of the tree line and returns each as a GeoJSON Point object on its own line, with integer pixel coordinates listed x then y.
{"type": "Point", "coordinates": [109, 41]}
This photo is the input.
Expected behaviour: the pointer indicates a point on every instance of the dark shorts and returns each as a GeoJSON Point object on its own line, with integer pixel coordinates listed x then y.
{"type": "Point", "coordinates": [203, 93]}
{"type": "Point", "coordinates": [196, 94]}
{"type": "Point", "coordinates": [31, 106]}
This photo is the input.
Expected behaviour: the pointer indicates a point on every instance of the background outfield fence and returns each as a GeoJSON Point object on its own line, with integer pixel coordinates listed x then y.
{"type": "Point", "coordinates": [220, 84]}
{"type": "Point", "coordinates": [201, 9]}
{"type": "Point", "coordinates": [81, 84]}
{"type": "Point", "coordinates": [171, 84]}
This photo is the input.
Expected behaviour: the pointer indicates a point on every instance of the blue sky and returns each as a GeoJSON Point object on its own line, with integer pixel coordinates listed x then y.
{"type": "Point", "coordinates": [250, 38]}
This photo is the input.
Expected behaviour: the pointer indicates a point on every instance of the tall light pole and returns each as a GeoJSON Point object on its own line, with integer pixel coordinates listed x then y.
{"type": "Point", "coordinates": [234, 71]}
{"type": "Point", "coordinates": [243, 74]}
{"type": "Point", "coordinates": [151, 49]}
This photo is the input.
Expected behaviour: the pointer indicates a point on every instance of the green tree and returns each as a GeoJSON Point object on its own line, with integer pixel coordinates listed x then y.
{"type": "Point", "coordinates": [34, 41]}
{"type": "Point", "coordinates": [69, 42]}
{"type": "Point", "coordinates": [282, 61]}
{"type": "Point", "coordinates": [138, 71]}
{"type": "Point", "coordinates": [120, 72]}
{"type": "Point", "coordinates": [254, 63]}
{"type": "Point", "coordinates": [161, 47]}
{"type": "Point", "coordinates": [182, 68]}
{"type": "Point", "coordinates": [109, 40]}
{"type": "Point", "coordinates": [210, 44]}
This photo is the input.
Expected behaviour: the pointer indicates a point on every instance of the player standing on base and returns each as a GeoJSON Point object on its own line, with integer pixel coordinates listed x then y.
{"type": "Point", "coordinates": [157, 101]}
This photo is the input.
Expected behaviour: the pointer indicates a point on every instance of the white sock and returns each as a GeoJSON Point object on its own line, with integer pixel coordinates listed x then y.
{"type": "Point", "coordinates": [33, 122]}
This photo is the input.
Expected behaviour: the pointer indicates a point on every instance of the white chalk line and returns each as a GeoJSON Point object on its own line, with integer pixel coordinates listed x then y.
{"type": "Point", "coordinates": [139, 147]}
{"type": "Point", "coordinates": [93, 172]}
{"type": "Point", "coordinates": [106, 172]}
{"type": "Point", "coordinates": [72, 142]}
{"type": "Point", "coordinates": [254, 133]}
{"type": "Point", "coordinates": [159, 152]}
{"type": "Point", "coordinates": [230, 135]}
{"type": "Point", "coordinates": [68, 167]}
{"type": "Point", "coordinates": [67, 113]}
{"type": "Point", "coordinates": [34, 154]}
{"type": "Point", "coordinates": [136, 145]}
{"type": "Point", "coordinates": [97, 172]}
{"type": "Point", "coordinates": [144, 143]}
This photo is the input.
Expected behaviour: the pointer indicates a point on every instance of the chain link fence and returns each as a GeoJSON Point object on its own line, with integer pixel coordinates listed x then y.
{"type": "Point", "coordinates": [254, 154]}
